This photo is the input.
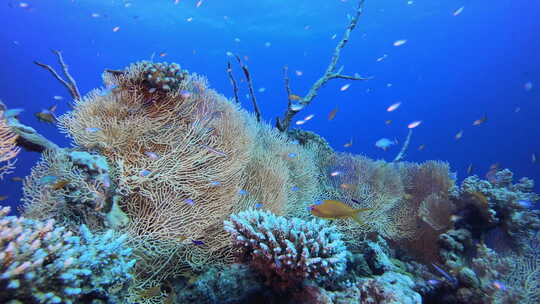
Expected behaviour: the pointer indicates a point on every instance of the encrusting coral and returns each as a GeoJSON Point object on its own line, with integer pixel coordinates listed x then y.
{"type": "Point", "coordinates": [288, 251]}
{"type": "Point", "coordinates": [41, 262]}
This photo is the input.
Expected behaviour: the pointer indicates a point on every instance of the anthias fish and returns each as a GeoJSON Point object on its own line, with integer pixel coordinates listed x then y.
{"type": "Point", "coordinates": [332, 209]}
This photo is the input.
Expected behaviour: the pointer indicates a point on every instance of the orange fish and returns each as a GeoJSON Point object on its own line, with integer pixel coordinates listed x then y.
{"type": "Point", "coordinates": [332, 209]}
{"type": "Point", "coordinates": [294, 97]}
{"type": "Point", "coordinates": [59, 184]}
{"type": "Point", "coordinates": [3, 197]}
{"type": "Point", "coordinates": [480, 121]}
{"type": "Point", "coordinates": [332, 114]}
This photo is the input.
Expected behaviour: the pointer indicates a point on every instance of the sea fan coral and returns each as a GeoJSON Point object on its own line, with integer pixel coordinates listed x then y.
{"type": "Point", "coordinates": [182, 152]}
{"type": "Point", "coordinates": [288, 251]}
{"type": "Point", "coordinates": [41, 262]}
{"type": "Point", "coordinates": [8, 147]}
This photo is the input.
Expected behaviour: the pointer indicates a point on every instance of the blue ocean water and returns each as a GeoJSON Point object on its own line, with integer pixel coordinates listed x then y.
{"type": "Point", "coordinates": [451, 71]}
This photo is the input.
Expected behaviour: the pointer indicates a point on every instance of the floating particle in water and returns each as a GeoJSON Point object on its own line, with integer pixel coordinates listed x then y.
{"type": "Point", "coordinates": [299, 73]}
{"type": "Point", "coordinates": [236, 39]}
{"type": "Point", "coordinates": [267, 44]}
{"type": "Point", "coordinates": [333, 36]}
{"type": "Point", "coordinates": [400, 42]}
{"type": "Point", "coordinates": [189, 19]}
{"type": "Point", "coordinates": [24, 5]}
{"type": "Point", "coordinates": [300, 122]}
{"type": "Point", "coordinates": [116, 29]}
{"type": "Point", "coordinates": [229, 53]}
{"type": "Point", "coordinates": [128, 4]}
{"type": "Point", "coordinates": [57, 97]}
{"type": "Point", "coordinates": [528, 86]}
{"type": "Point", "coordinates": [393, 107]}
{"type": "Point", "coordinates": [199, 3]}
{"type": "Point", "coordinates": [345, 87]}
{"type": "Point", "coordinates": [261, 90]}
{"type": "Point", "coordinates": [414, 124]}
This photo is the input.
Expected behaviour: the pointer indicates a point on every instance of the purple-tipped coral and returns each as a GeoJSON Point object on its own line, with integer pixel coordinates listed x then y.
{"type": "Point", "coordinates": [287, 251]}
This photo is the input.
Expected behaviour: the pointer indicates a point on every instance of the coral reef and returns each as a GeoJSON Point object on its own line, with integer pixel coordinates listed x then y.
{"type": "Point", "coordinates": [288, 251]}
{"type": "Point", "coordinates": [73, 187]}
{"type": "Point", "coordinates": [45, 263]}
{"type": "Point", "coordinates": [236, 283]}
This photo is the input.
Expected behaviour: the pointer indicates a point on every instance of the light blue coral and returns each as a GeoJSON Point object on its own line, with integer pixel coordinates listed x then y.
{"type": "Point", "coordinates": [43, 263]}
{"type": "Point", "coordinates": [287, 251]}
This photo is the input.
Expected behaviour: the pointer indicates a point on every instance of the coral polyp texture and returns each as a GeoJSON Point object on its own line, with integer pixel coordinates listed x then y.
{"type": "Point", "coordinates": [41, 262]}
{"type": "Point", "coordinates": [287, 251]}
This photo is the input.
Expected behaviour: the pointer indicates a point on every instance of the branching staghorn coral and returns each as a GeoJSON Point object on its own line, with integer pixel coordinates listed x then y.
{"type": "Point", "coordinates": [288, 251]}
{"type": "Point", "coordinates": [8, 147]}
{"type": "Point", "coordinates": [41, 262]}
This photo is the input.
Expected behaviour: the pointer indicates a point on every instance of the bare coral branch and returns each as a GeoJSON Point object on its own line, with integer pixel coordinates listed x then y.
{"type": "Point", "coordinates": [250, 86]}
{"type": "Point", "coordinates": [331, 73]}
{"type": "Point", "coordinates": [70, 83]}
{"type": "Point", "coordinates": [401, 154]}
{"type": "Point", "coordinates": [233, 82]}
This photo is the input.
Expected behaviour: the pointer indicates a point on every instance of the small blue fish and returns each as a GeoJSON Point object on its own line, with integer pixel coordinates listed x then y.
{"type": "Point", "coordinates": [144, 173]}
{"type": "Point", "coordinates": [525, 203]}
{"type": "Point", "coordinates": [215, 183]}
{"type": "Point", "coordinates": [151, 155]}
{"type": "Point", "coordinates": [499, 285]}
{"type": "Point", "coordinates": [292, 155]}
{"type": "Point", "coordinates": [242, 192]}
{"type": "Point", "coordinates": [92, 130]}
{"type": "Point", "coordinates": [189, 201]}
{"type": "Point", "coordinates": [106, 180]}
{"type": "Point", "coordinates": [13, 112]}
{"type": "Point", "coordinates": [48, 179]}
{"type": "Point", "coordinates": [185, 94]}
{"type": "Point", "coordinates": [294, 188]}
{"type": "Point", "coordinates": [197, 242]}
{"type": "Point", "coordinates": [258, 205]}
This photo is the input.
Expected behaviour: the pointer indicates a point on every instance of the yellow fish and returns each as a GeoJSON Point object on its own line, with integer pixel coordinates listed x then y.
{"type": "Point", "coordinates": [332, 209]}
